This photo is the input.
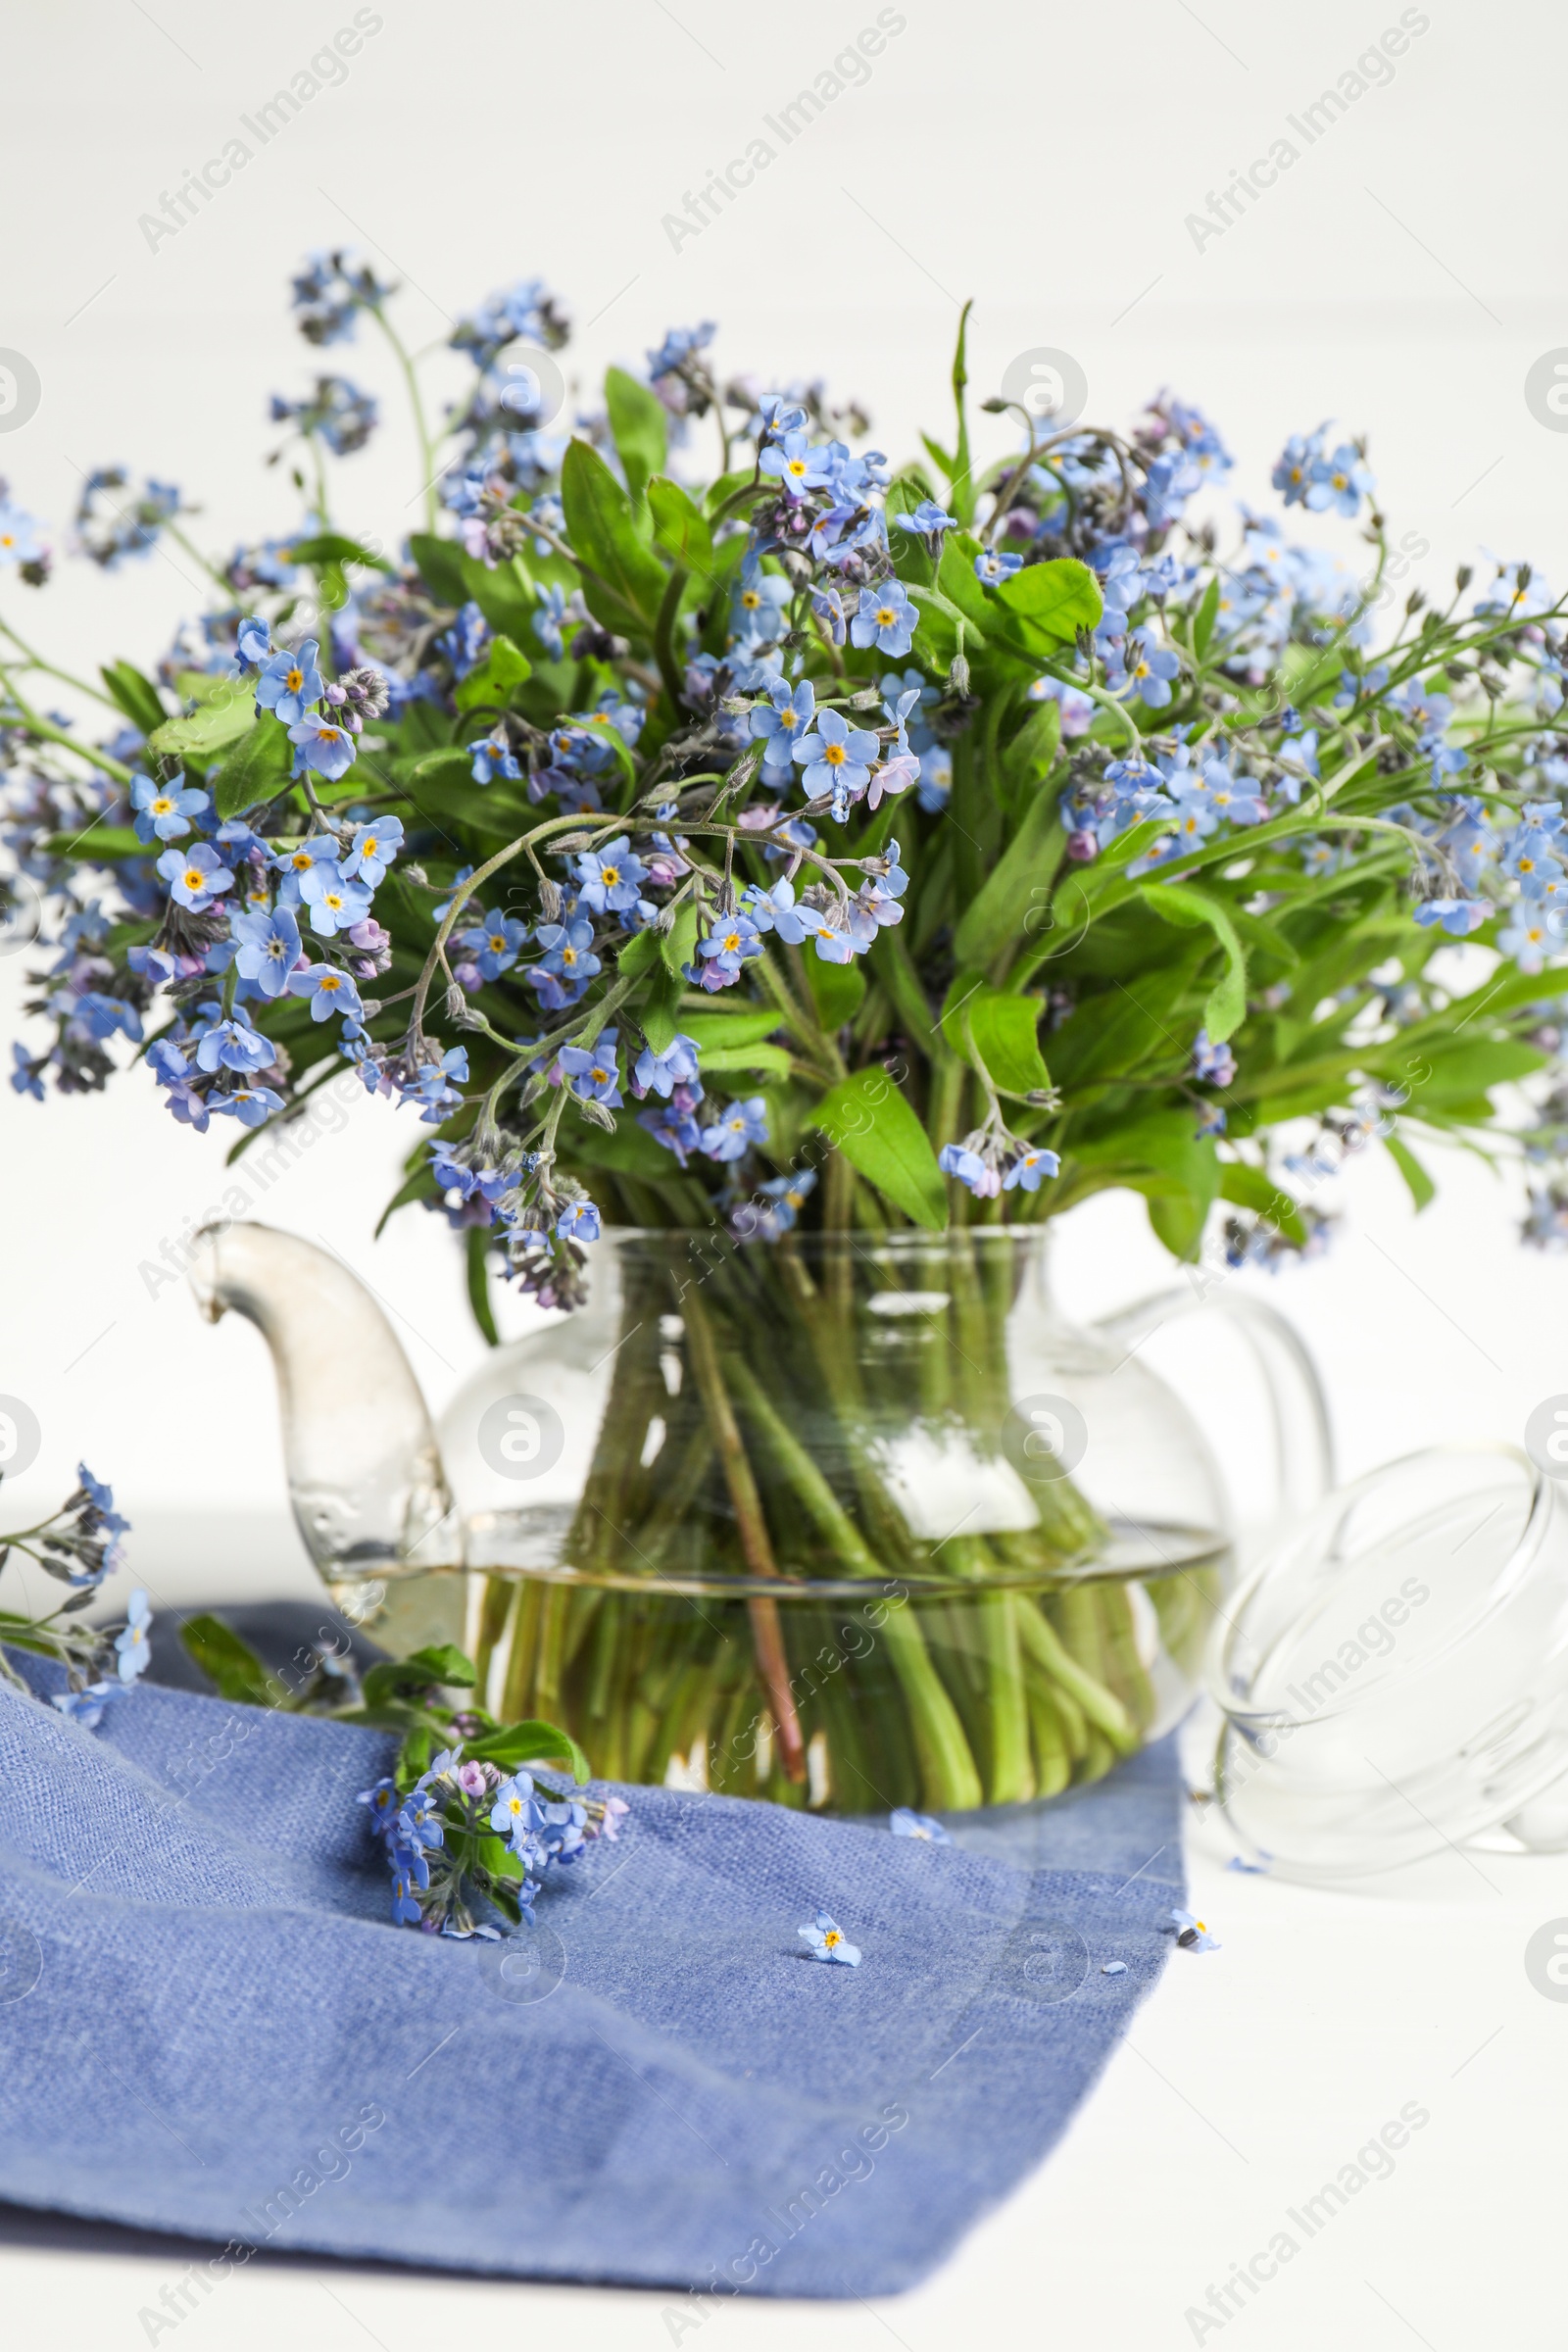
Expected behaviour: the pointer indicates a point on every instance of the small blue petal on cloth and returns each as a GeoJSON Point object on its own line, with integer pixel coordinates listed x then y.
{"type": "Point", "coordinates": [904, 1824]}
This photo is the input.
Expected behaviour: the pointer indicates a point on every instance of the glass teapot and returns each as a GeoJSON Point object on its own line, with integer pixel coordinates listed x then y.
{"type": "Point", "coordinates": [843, 1520]}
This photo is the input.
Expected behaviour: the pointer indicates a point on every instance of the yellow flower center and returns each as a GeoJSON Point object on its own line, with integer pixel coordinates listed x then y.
{"type": "Point", "coordinates": [833, 753]}
{"type": "Point", "coordinates": [193, 877]}
{"type": "Point", "coordinates": [832, 1937]}
{"type": "Point", "coordinates": [294, 680]}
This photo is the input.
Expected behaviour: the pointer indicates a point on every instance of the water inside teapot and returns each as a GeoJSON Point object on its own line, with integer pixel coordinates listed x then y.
{"type": "Point", "coordinates": [1050, 1679]}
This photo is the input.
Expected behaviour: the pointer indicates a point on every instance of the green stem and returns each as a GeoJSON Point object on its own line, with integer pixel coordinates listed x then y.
{"type": "Point", "coordinates": [948, 1772]}
{"type": "Point", "coordinates": [411, 380]}
{"type": "Point", "coordinates": [35, 661]}
{"type": "Point", "coordinates": [1100, 1706]}
{"type": "Point", "coordinates": [46, 733]}
{"type": "Point", "coordinates": [1012, 1769]}
{"type": "Point", "coordinates": [211, 569]}
{"type": "Point", "coordinates": [755, 1541]}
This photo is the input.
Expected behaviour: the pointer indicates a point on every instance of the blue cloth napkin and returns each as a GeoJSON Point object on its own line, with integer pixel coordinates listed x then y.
{"type": "Point", "coordinates": [209, 2024]}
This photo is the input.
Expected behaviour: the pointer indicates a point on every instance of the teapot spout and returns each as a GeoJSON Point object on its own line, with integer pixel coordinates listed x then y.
{"type": "Point", "coordinates": [365, 1473]}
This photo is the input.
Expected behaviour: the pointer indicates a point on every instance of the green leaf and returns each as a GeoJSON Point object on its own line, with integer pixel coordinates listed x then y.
{"type": "Point", "coordinates": [1422, 1188]}
{"type": "Point", "coordinates": [717, 494]}
{"type": "Point", "coordinates": [679, 944]}
{"type": "Point", "coordinates": [98, 843]}
{"type": "Point", "coordinates": [204, 686]}
{"type": "Point", "coordinates": [640, 950]}
{"type": "Point", "coordinates": [709, 1029]}
{"type": "Point", "coordinates": [1027, 760]}
{"type": "Point", "coordinates": [1254, 1189]}
{"type": "Point", "coordinates": [869, 1121]}
{"type": "Point", "coordinates": [1164, 1149]}
{"type": "Point", "coordinates": [256, 770]}
{"type": "Point", "coordinates": [1182, 904]}
{"type": "Point", "coordinates": [530, 1743]}
{"type": "Point", "coordinates": [1051, 601]}
{"type": "Point", "coordinates": [1468, 1070]}
{"type": "Point", "coordinates": [226, 712]}
{"type": "Point", "coordinates": [1015, 896]}
{"type": "Point", "coordinates": [440, 562]}
{"type": "Point", "coordinates": [228, 1661]}
{"type": "Point", "coordinates": [629, 1152]}
{"type": "Point", "coordinates": [838, 991]}
{"type": "Point", "coordinates": [423, 727]}
{"type": "Point", "coordinates": [771, 1060]}
{"type": "Point", "coordinates": [911, 559]}
{"type": "Point", "coordinates": [136, 695]}
{"type": "Point", "coordinates": [1178, 1220]}
{"type": "Point", "coordinates": [939, 455]}
{"type": "Point", "coordinates": [455, 764]}
{"type": "Point", "coordinates": [659, 1013]}
{"type": "Point", "coordinates": [476, 1249]}
{"type": "Point", "coordinates": [504, 594]}
{"type": "Point", "coordinates": [637, 422]}
{"type": "Point", "coordinates": [494, 1856]}
{"type": "Point", "coordinates": [678, 526]}
{"type": "Point", "coordinates": [1177, 1171]}
{"type": "Point", "coordinates": [955, 581]}
{"type": "Point", "coordinates": [491, 680]}
{"type": "Point", "coordinates": [441, 1662]}
{"type": "Point", "coordinates": [405, 1677]}
{"type": "Point", "coordinates": [330, 547]}
{"type": "Point", "coordinates": [622, 582]}
{"type": "Point", "coordinates": [414, 1757]}
{"type": "Point", "coordinates": [1003, 1031]}
{"type": "Point", "coordinates": [1207, 612]}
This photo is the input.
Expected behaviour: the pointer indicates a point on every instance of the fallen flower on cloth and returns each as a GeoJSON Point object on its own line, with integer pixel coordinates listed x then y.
{"type": "Point", "coordinates": [1192, 1934]}
{"type": "Point", "coordinates": [826, 1940]}
{"type": "Point", "coordinates": [904, 1824]}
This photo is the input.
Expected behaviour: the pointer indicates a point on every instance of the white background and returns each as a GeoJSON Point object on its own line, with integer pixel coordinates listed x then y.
{"type": "Point", "coordinates": [1401, 277]}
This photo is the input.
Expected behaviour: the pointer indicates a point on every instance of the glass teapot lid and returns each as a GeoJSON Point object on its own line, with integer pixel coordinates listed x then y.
{"type": "Point", "coordinates": [1393, 1677]}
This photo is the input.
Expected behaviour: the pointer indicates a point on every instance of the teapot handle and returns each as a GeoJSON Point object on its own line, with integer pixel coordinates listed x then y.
{"type": "Point", "coordinates": [1304, 1445]}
